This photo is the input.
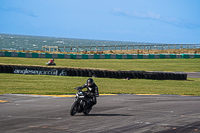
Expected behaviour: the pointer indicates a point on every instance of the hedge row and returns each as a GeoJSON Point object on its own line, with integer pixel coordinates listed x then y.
{"type": "Point", "coordinates": [94, 73]}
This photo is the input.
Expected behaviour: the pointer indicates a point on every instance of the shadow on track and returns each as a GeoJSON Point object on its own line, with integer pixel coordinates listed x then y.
{"type": "Point", "coordinates": [108, 115]}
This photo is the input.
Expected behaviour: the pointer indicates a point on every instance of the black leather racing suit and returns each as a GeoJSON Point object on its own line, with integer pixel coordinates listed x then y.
{"type": "Point", "coordinates": [92, 91]}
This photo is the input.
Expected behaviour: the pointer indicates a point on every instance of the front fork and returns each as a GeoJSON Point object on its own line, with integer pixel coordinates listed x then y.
{"type": "Point", "coordinates": [80, 105]}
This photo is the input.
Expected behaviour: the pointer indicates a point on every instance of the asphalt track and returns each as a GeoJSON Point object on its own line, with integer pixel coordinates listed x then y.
{"type": "Point", "coordinates": [112, 114]}
{"type": "Point", "coordinates": [193, 74]}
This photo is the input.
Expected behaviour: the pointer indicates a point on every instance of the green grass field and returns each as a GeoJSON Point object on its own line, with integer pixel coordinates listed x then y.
{"type": "Point", "coordinates": [42, 84]}
{"type": "Point", "coordinates": [186, 65]}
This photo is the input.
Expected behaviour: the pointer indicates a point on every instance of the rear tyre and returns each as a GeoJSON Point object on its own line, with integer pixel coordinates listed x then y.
{"type": "Point", "coordinates": [87, 111]}
{"type": "Point", "coordinates": [73, 109]}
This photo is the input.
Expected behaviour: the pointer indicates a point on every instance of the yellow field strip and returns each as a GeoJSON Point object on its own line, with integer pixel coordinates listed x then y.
{"type": "Point", "coordinates": [69, 95]}
{"type": "Point", "coordinates": [75, 95]}
{"type": "Point", "coordinates": [146, 94]}
{"type": "Point", "coordinates": [54, 95]}
{"type": "Point", "coordinates": [2, 101]}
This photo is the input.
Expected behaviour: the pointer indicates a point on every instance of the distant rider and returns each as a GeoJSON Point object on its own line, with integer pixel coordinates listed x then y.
{"type": "Point", "coordinates": [51, 62]}
{"type": "Point", "coordinates": [92, 91]}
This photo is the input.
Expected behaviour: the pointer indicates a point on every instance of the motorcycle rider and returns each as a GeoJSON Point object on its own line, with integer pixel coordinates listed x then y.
{"type": "Point", "coordinates": [92, 91]}
{"type": "Point", "coordinates": [51, 62]}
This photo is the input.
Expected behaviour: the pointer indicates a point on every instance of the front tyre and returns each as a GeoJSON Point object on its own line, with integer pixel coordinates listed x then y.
{"type": "Point", "coordinates": [73, 109]}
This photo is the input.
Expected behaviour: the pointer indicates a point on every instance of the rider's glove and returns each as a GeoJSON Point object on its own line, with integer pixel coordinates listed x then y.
{"type": "Point", "coordinates": [77, 88]}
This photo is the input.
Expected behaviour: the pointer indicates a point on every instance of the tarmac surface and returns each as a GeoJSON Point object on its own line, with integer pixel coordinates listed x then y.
{"type": "Point", "coordinates": [112, 114]}
{"type": "Point", "coordinates": [193, 74]}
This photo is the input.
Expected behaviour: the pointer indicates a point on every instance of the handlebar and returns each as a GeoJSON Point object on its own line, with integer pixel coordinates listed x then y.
{"type": "Point", "coordinates": [78, 88]}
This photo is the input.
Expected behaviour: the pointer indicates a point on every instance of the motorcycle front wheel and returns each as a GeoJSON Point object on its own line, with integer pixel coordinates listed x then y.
{"type": "Point", "coordinates": [73, 109]}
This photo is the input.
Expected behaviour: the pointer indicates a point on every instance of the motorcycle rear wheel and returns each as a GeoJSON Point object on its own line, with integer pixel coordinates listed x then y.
{"type": "Point", "coordinates": [87, 111]}
{"type": "Point", "coordinates": [73, 109]}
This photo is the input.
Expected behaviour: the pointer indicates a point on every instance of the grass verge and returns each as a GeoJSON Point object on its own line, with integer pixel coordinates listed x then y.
{"type": "Point", "coordinates": [184, 65]}
{"type": "Point", "coordinates": [56, 85]}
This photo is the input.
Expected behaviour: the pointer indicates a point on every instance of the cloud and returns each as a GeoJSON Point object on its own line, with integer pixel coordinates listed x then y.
{"type": "Point", "coordinates": [18, 10]}
{"type": "Point", "coordinates": [156, 17]}
{"type": "Point", "coordinates": [148, 15]}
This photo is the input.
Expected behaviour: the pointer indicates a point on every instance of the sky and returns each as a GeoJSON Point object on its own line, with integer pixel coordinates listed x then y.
{"type": "Point", "coordinates": [151, 21]}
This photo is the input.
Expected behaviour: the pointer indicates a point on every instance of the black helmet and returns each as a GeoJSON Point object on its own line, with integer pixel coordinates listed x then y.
{"type": "Point", "coordinates": [90, 82]}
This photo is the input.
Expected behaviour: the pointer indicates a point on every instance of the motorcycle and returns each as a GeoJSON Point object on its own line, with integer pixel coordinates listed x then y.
{"type": "Point", "coordinates": [81, 103]}
{"type": "Point", "coordinates": [49, 64]}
